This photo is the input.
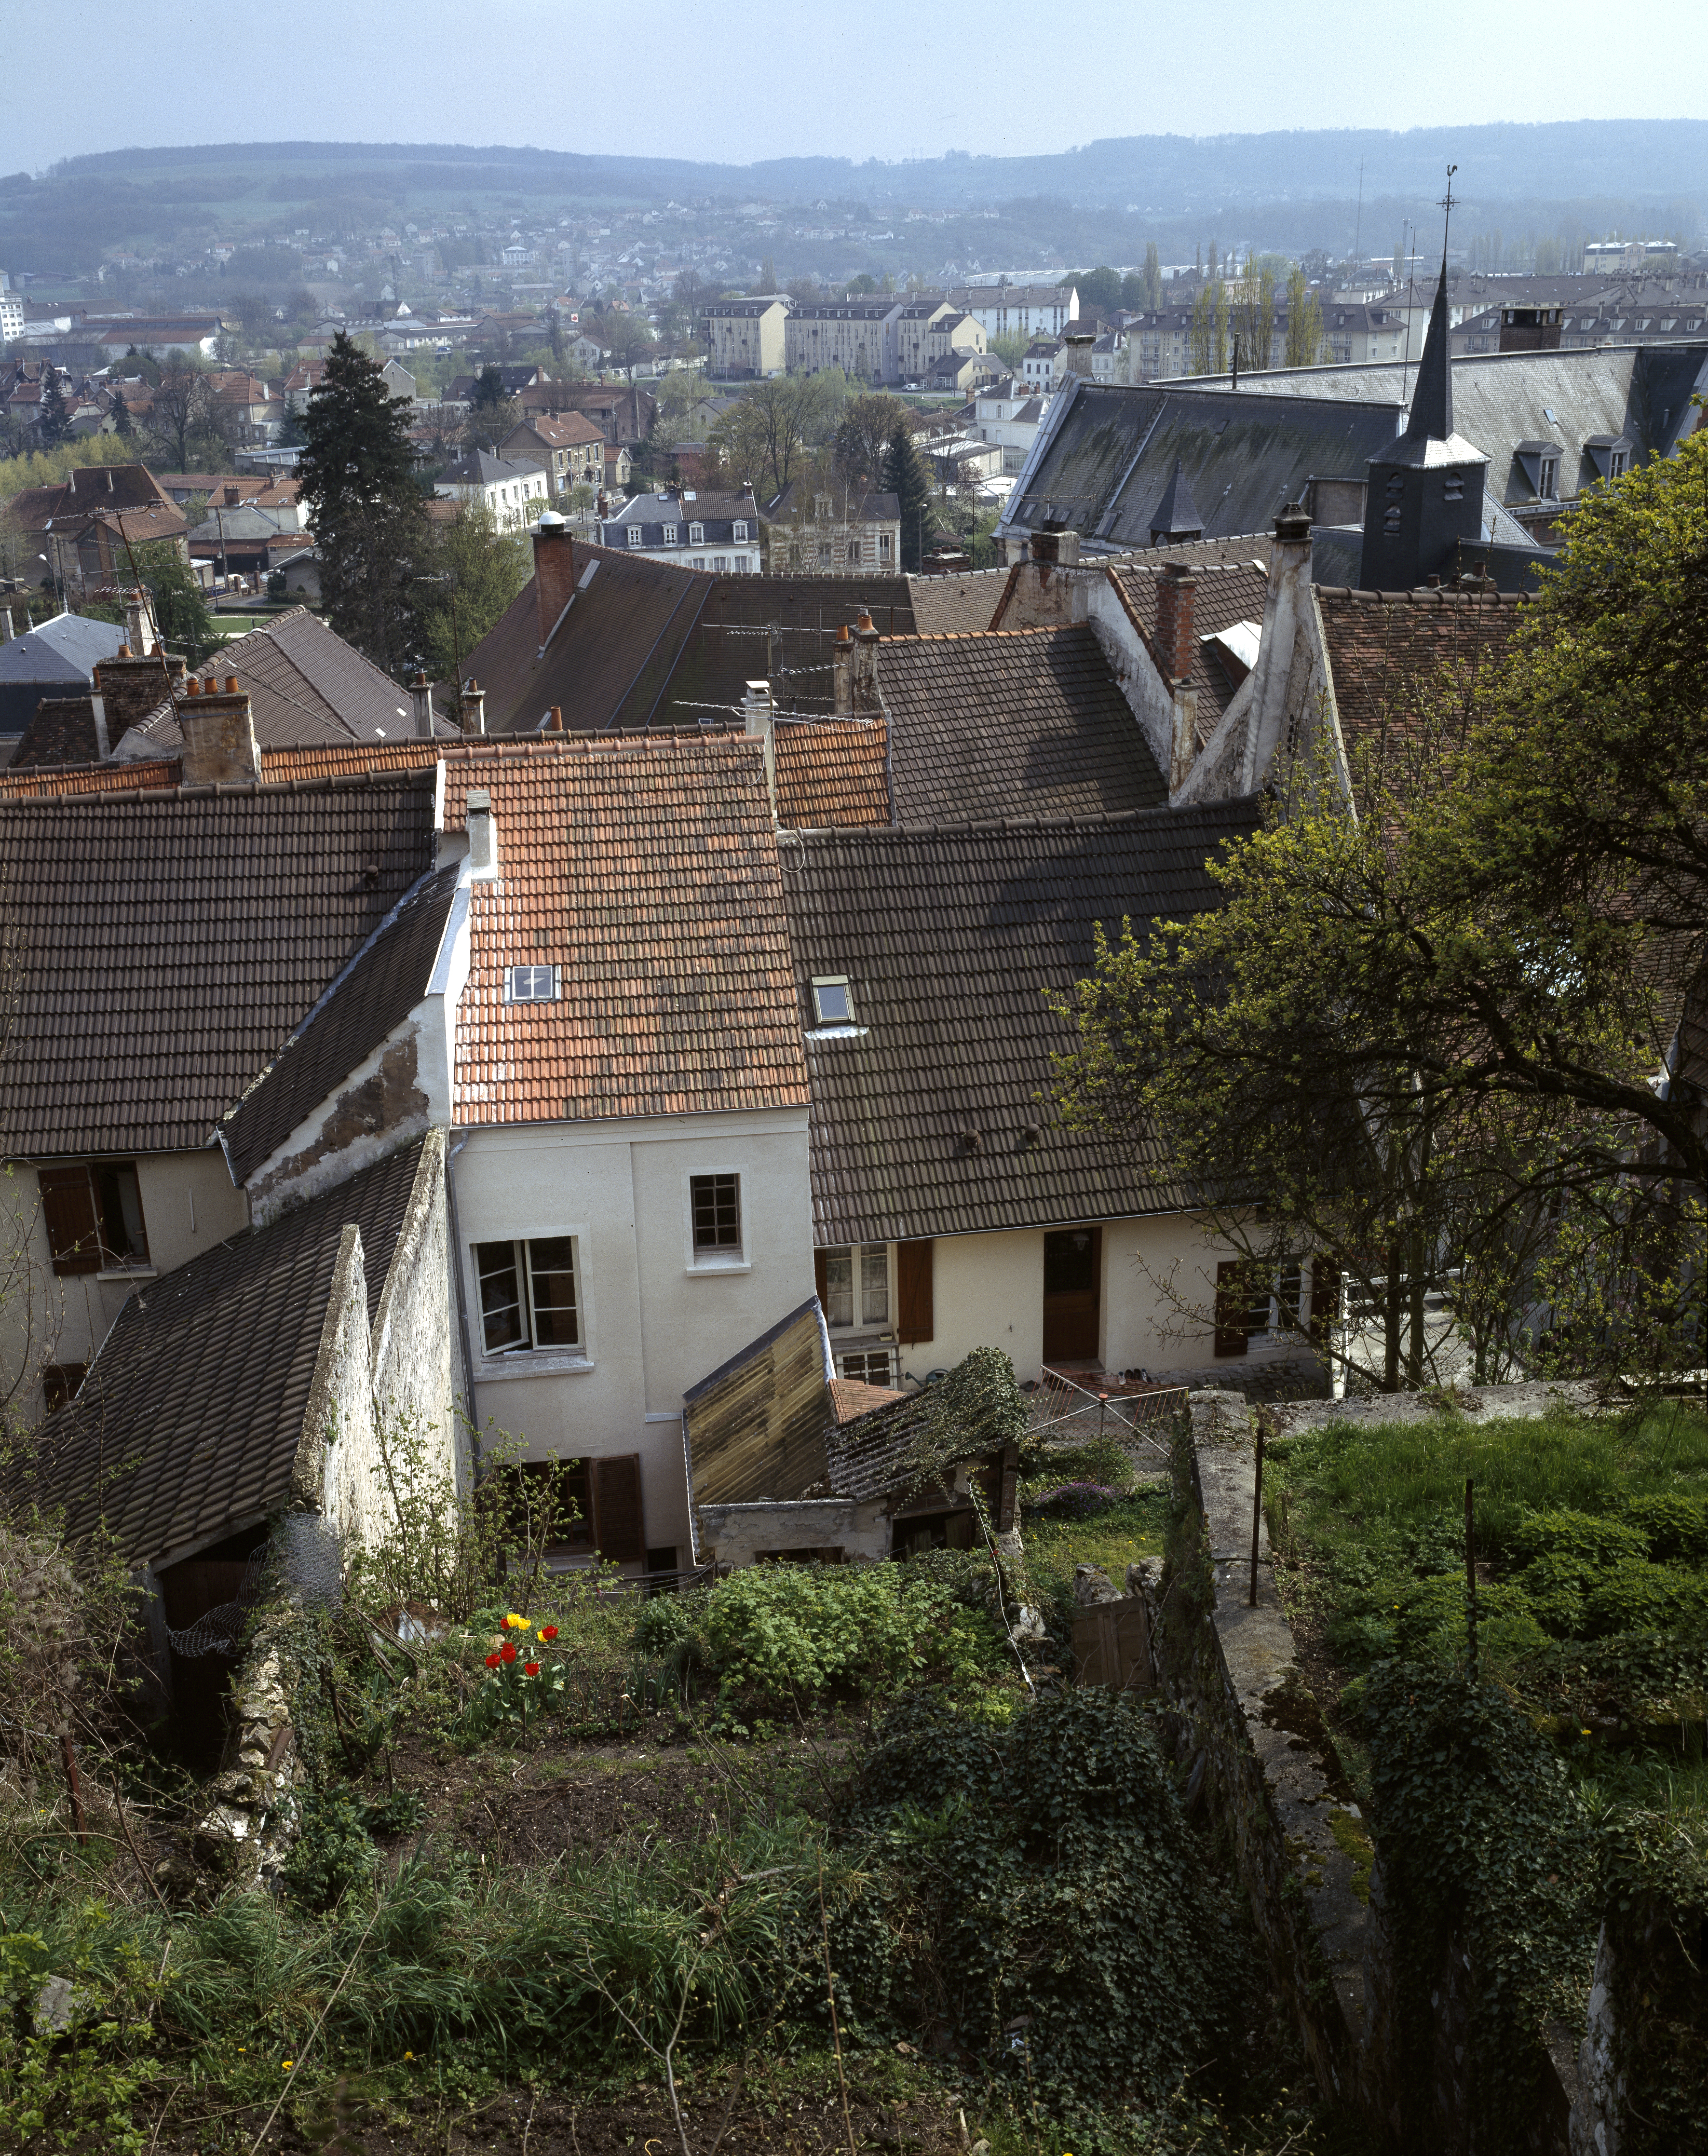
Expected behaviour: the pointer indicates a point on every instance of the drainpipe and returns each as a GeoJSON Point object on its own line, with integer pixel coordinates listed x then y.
{"type": "Point", "coordinates": [462, 1298]}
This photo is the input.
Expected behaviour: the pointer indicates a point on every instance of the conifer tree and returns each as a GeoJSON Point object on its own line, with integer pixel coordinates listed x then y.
{"type": "Point", "coordinates": [366, 506]}
{"type": "Point", "coordinates": [904, 476]}
{"type": "Point", "coordinates": [121, 414]}
{"type": "Point", "coordinates": [56, 413]}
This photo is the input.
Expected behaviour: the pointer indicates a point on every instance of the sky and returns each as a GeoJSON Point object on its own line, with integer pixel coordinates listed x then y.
{"type": "Point", "coordinates": [875, 78]}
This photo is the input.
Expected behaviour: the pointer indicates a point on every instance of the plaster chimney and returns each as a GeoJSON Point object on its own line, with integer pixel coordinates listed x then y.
{"type": "Point", "coordinates": [842, 663]}
{"type": "Point", "coordinates": [219, 736]}
{"type": "Point", "coordinates": [1041, 592]}
{"type": "Point", "coordinates": [421, 696]}
{"type": "Point", "coordinates": [474, 704]}
{"type": "Point", "coordinates": [7, 632]}
{"type": "Point", "coordinates": [139, 626]}
{"type": "Point", "coordinates": [554, 570]}
{"type": "Point", "coordinates": [483, 833]}
{"type": "Point", "coordinates": [864, 683]}
{"type": "Point", "coordinates": [761, 726]}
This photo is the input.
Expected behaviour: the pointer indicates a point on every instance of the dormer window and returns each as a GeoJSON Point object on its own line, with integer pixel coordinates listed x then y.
{"type": "Point", "coordinates": [669, 535]}
{"type": "Point", "coordinates": [696, 535]}
{"type": "Point", "coordinates": [740, 531]}
{"type": "Point", "coordinates": [632, 532]}
{"type": "Point", "coordinates": [1548, 485]}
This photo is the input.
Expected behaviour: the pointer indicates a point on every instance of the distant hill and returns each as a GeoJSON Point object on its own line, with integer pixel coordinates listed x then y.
{"type": "Point", "coordinates": [1554, 160]}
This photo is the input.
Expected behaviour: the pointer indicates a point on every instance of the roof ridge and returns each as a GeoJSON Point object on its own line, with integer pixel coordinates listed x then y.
{"type": "Point", "coordinates": [1004, 826]}
{"type": "Point", "coordinates": [1421, 596]}
{"type": "Point", "coordinates": [327, 782]}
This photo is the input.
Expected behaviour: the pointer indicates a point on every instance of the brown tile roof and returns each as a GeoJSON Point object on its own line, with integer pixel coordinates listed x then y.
{"type": "Point", "coordinates": [952, 940]}
{"type": "Point", "coordinates": [156, 775]}
{"type": "Point", "coordinates": [560, 430]}
{"type": "Point", "coordinates": [169, 942]}
{"type": "Point", "coordinates": [1223, 594]}
{"type": "Point", "coordinates": [1013, 723]}
{"type": "Point", "coordinates": [949, 606]}
{"type": "Point", "coordinates": [374, 995]}
{"type": "Point", "coordinates": [61, 731]}
{"type": "Point", "coordinates": [306, 685]}
{"type": "Point", "coordinates": [648, 872]}
{"type": "Point", "coordinates": [1386, 649]}
{"type": "Point", "coordinates": [188, 1424]}
{"type": "Point", "coordinates": [832, 771]}
{"type": "Point", "coordinates": [851, 1398]}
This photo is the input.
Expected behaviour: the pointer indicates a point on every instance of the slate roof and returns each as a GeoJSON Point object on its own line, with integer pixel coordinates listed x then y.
{"type": "Point", "coordinates": [373, 995]}
{"type": "Point", "coordinates": [306, 686]}
{"type": "Point", "coordinates": [1386, 649]}
{"type": "Point", "coordinates": [169, 942]}
{"type": "Point", "coordinates": [188, 1423]}
{"type": "Point", "coordinates": [646, 872]}
{"type": "Point", "coordinates": [951, 940]}
{"type": "Point", "coordinates": [64, 650]}
{"type": "Point", "coordinates": [1222, 595]}
{"type": "Point", "coordinates": [1013, 723]}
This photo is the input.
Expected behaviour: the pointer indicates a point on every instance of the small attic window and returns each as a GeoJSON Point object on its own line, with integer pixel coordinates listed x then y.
{"type": "Point", "coordinates": [832, 1002]}
{"type": "Point", "coordinates": [531, 984]}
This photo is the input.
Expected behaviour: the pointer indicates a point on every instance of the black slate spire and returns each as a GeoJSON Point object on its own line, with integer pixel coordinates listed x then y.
{"type": "Point", "coordinates": [1432, 402]}
{"type": "Point", "coordinates": [1176, 516]}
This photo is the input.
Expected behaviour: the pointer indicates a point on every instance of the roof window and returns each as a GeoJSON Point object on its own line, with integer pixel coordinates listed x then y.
{"type": "Point", "coordinates": [531, 984]}
{"type": "Point", "coordinates": [833, 1000]}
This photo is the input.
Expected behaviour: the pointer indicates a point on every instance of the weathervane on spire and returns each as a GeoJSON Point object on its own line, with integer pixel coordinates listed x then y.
{"type": "Point", "coordinates": [1445, 205]}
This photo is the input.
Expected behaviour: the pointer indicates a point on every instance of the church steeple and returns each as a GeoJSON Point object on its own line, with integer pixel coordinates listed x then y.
{"type": "Point", "coordinates": [1431, 402]}
{"type": "Point", "coordinates": [1423, 496]}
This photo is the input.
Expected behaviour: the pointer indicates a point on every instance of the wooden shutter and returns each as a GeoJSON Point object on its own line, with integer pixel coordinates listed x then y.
{"type": "Point", "coordinates": [1231, 1308]}
{"type": "Point", "coordinates": [821, 1281]}
{"type": "Point", "coordinates": [914, 1319]}
{"type": "Point", "coordinates": [617, 1513]}
{"type": "Point", "coordinates": [68, 1209]}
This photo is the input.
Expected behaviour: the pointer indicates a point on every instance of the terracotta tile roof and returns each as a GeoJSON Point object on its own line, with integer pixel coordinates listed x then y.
{"type": "Point", "coordinates": [1222, 595]}
{"type": "Point", "coordinates": [648, 873]}
{"type": "Point", "coordinates": [832, 771]}
{"type": "Point", "coordinates": [188, 1423]}
{"type": "Point", "coordinates": [169, 942]}
{"type": "Point", "coordinates": [1385, 648]}
{"type": "Point", "coordinates": [1013, 723]}
{"type": "Point", "coordinates": [156, 775]}
{"type": "Point", "coordinates": [851, 1400]}
{"type": "Point", "coordinates": [375, 994]}
{"type": "Point", "coordinates": [951, 940]}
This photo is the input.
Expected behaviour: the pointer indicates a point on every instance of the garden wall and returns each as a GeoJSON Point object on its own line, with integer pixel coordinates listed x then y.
{"type": "Point", "coordinates": [1277, 1788]}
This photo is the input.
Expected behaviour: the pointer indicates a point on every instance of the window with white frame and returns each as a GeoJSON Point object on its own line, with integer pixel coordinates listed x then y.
{"type": "Point", "coordinates": [632, 533]}
{"type": "Point", "coordinates": [531, 984]}
{"type": "Point", "coordinates": [669, 535]}
{"type": "Point", "coordinates": [696, 535]}
{"type": "Point", "coordinates": [714, 1217]}
{"type": "Point", "coordinates": [857, 1287]}
{"type": "Point", "coordinates": [528, 1295]}
{"type": "Point", "coordinates": [740, 531]}
{"type": "Point", "coordinates": [833, 1000]}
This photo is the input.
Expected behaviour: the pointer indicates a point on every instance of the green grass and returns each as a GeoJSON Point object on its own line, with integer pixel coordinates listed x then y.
{"type": "Point", "coordinates": [1114, 1540]}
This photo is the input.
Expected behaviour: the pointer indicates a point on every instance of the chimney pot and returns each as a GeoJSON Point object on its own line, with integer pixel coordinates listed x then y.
{"type": "Point", "coordinates": [124, 651]}
{"type": "Point", "coordinates": [554, 722]}
{"type": "Point", "coordinates": [231, 687]}
{"type": "Point", "coordinates": [192, 687]}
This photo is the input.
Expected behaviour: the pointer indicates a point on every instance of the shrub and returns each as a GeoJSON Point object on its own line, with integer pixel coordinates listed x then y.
{"type": "Point", "coordinates": [665, 1620]}
{"type": "Point", "coordinates": [1590, 1538]}
{"type": "Point", "coordinates": [1429, 1619]}
{"type": "Point", "coordinates": [783, 1631]}
{"type": "Point", "coordinates": [1647, 1597]}
{"type": "Point", "coordinates": [333, 1851]}
{"type": "Point", "coordinates": [1676, 1526]}
{"type": "Point", "coordinates": [1555, 1585]}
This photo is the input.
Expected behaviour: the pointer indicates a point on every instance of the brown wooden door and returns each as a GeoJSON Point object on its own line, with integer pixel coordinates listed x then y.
{"type": "Point", "coordinates": [1072, 1273]}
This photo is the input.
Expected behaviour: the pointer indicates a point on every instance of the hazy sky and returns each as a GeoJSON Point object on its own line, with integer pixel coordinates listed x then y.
{"type": "Point", "coordinates": [862, 78]}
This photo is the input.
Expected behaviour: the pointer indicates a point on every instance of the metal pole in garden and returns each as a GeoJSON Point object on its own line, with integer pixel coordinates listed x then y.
{"type": "Point", "coordinates": [1470, 1581]}
{"type": "Point", "coordinates": [1256, 1510]}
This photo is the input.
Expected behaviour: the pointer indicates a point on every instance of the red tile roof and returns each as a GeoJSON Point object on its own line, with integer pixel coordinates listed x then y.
{"type": "Point", "coordinates": [647, 872]}
{"type": "Point", "coordinates": [1389, 650]}
{"type": "Point", "coordinates": [831, 772]}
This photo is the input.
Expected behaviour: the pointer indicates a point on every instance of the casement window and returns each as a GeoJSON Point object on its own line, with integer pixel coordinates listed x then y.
{"type": "Point", "coordinates": [853, 1287]}
{"type": "Point", "coordinates": [93, 1214]}
{"type": "Point", "coordinates": [696, 535]}
{"type": "Point", "coordinates": [833, 1000]}
{"type": "Point", "coordinates": [715, 1217]}
{"type": "Point", "coordinates": [528, 1295]}
{"type": "Point", "coordinates": [739, 531]}
{"type": "Point", "coordinates": [868, 1366]}
{"type": "Point", "coordinates": [632, 534]}
{"type": "Point", "coordinates": [669, 535]}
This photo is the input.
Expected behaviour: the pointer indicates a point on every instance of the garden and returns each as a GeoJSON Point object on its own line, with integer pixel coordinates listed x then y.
{"type": "Point", "coordinates": [813, 1858]}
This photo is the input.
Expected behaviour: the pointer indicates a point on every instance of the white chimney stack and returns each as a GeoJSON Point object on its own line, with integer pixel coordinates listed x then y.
{"type": "Point", "coordinates": [483, 833]}
{"type": "Point", "coordinates": [421, 695]}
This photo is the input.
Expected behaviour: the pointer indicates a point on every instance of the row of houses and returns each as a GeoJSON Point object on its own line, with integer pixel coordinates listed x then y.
{"type": "Point", "coordinates": [925, 341]}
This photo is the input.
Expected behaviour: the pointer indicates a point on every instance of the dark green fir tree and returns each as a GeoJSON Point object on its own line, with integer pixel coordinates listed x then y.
{"type": "Point", "coordinates": [366, 506]}
{"type": "Point", "coordinates": [905, 477]}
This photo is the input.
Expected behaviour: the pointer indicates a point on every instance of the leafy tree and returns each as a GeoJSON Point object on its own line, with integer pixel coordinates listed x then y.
{"type": "Point", "coordinates": [1100, 291]}
{"type": "Point", "coordinates": [359, 485]}
{"type": "Point", "coordinates": [492, 410]}
{"type": "Point", "coordinates": [1153, 276]}
{"type": "Point", "coordinates": [767, 276]}
{"type": "Point", "coordinates": [630, 341]}
{"type": "Point", "coordinates": [1200, 331]}
{"type": "Point", "coordinates": [181, 618]}
{"type": "Point", "coordinates": [863, 435]}
{"type": "Point", "coordinates": [56, 422]}
{"type": "Point", "coordinates": [1252, 315]}
{"type": "Point", "coordinates": [254, 314]}
{"type": "Point", "coordinates": [905, 477]}
{"type": "Point", "coordinates": [763, 440]}
{"type": "Point", "coordinates": [185, 419]}
{"type": "Point", "coordinates": [1303, 321]}
{"type": "Point", "coordinates": [480, 570]}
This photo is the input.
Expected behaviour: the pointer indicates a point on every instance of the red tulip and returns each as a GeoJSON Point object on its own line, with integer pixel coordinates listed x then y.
{"type": "Point", "coordinates": [548, 1631]}
{"type": "Point", "coordinates": [507, 1653]}
{"type": "Point", "coordinates": [530, 1669]}
{"type": "Point", "coordinates": [493, 1660]}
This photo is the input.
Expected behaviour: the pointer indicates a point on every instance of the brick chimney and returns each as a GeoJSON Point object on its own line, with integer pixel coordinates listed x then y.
{"type": "Point", "coordinates": [132, 689]}
{"type": "Point", "coordinates": [864, 681]}
{"type": "Point", "coordinates": [219, 736]}
{"type": "Point", "coordinates": [554, 570]}
{"type": "Point", "coordinates": [6, 627]}
{"type": "Point", "coordinates": [1176, 643]}
{"type": "Point", "coordinates": [474, 707]}
{"type": "Point", "coordinates": [421, 700]}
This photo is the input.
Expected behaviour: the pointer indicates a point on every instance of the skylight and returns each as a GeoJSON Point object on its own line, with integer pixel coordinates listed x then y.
{"type": "Point", "coordinates": [832, 1002]}
{"type": "Point", "coordinates": [531, 984]}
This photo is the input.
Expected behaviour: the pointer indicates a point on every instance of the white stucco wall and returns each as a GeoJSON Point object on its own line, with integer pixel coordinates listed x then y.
{"type": "Point", "coordinates": [188, 1206]}
{"type": "Point", "coordinates": [652, 1324]}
